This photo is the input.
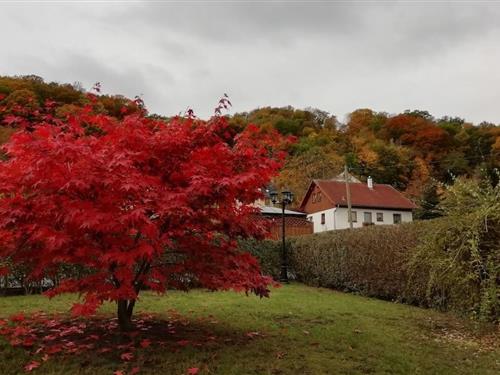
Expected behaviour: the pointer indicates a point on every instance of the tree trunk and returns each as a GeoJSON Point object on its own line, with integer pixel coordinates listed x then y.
{"type": "Point", "coordinates": [125, 309]}
{"type": "Point", "coordinates": [126, 306]}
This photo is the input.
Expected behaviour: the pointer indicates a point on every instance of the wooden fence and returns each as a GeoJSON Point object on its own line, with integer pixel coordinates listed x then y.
{"type": "Point", "coordinates": [294, 226]}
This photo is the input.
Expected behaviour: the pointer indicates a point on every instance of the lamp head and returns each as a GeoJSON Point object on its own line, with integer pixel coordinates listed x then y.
{"type": "Point", "coordinates": [287, 196]}
{"type": "Point", "coordinates": [274, 197]}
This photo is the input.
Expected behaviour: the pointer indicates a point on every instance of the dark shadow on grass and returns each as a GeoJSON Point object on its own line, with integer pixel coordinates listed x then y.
{"type": "Point", "coordinates": [98, 340]}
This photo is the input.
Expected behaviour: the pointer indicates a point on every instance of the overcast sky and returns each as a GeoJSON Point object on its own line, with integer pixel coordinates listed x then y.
{"type": "Point", "coordinates": [443, 57]}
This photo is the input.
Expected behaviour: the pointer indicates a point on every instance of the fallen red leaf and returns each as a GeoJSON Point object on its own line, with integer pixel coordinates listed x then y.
{"type": "Point", "coordinates": [31, 366]}
{"type": "Point", "coordinates": [53, 350]}
{"type": "Point", "coordinates": [193, 370]}
{"type": "Point", "coordinates": [17, 317]}
{"type": "Point", "coordinates": [27, 343]}
{"type": "Point", "coordinates": [183, 342]}
{"type": "Point", "coordinates": [253, 334]}
{"type": "Point", "coordinates": [127, 356]}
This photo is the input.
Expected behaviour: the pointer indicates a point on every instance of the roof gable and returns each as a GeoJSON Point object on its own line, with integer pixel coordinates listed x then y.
{"type": "Point", "coordinates": [308, 193]}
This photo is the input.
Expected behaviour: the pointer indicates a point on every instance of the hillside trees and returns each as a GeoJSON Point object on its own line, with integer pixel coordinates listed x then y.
{"type": "Point", "coordinates": [410, 150]}
{"type": "Point", "coordinates": [27, 99]}
{"type": "Point", "coordinates": [300, 169]}
{"type": "Point", "coordinates": [134, 203]}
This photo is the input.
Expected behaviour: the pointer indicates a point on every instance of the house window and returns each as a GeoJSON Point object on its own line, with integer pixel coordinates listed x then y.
{"type": "Point", "coordinates": [380, 216]}
{"type": "Point", "coordinates": [367, 217]}
{"type": "Point", "coordinates": [354, 216]}
{"type": "Point", "coordinates": [322, 218]}
{"type": "Point", "coordinates": [316, 197]}
{"type": "Point", "coordinates": [397, 218]}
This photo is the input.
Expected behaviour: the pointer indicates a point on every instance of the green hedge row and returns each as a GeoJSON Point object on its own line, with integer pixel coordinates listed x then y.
{"type": "Point", "coordinates": [371, 260]}
{"type": "Point", "coordinates": [392, 263]}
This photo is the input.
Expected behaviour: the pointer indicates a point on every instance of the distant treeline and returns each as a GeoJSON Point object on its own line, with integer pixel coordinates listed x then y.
{"type": "Point", "coordinates": [413, 151]}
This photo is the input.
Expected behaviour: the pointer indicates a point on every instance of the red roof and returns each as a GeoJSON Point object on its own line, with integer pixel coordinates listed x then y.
{"type": "Point", "coordinates": [380, 196]}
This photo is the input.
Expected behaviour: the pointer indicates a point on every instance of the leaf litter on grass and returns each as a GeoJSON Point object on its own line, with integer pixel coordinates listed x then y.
{"type": "Point", "coordinates": [46, 336]}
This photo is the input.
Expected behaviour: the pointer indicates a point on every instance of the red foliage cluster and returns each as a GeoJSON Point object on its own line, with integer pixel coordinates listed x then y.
{"type": "Point", "coordinates": [122, 205]}
{"type": "Point", "coordinates": [418, 132]}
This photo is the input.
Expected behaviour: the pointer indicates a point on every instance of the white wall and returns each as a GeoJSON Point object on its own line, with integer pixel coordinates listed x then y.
{"type": "Point", "coordinates": [336, 218]}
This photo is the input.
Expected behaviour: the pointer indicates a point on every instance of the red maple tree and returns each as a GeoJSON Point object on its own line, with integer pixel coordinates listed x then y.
{"type": "Point", "coordinates": [113, 206]}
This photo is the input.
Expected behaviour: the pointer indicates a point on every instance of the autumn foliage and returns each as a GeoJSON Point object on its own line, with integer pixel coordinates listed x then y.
{"type": "Point", "coordinates": [115, 205]}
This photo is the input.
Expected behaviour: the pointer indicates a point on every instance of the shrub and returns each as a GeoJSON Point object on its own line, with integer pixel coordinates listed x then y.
{"type": "Point", "coordinates": [370, 260]}
{"type": "Point", "coordinates": [267, 252]}
{"type": "Point", "coordinates": [461, 256]}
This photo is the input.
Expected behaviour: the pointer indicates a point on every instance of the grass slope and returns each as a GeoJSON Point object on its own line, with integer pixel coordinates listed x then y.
{"type": "Point", "coordinates": [301, 330]}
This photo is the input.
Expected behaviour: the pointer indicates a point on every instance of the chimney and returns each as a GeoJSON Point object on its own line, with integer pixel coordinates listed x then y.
{"type": "Point", "coordinates": [369, 182]}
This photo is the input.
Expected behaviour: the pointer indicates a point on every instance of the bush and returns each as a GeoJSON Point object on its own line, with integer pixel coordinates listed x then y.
{"type": "Point", "coordinates": [461, 255]}
{"type": "Point", "coordinates": [370, 260]}
{"type": "Point", "coordinates": [267, 252]}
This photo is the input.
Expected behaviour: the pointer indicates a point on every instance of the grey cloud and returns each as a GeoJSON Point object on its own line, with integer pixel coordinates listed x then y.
{"type": "Point", "coordinates": [244, 21]}
{"type": "Point", "coordinates": [441, 56]}
{"type": "Point", "coordinates": [387, 34]}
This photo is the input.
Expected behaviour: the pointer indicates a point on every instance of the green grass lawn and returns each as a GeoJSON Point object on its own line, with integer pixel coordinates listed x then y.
{"type": "Point", "coordinates": [299, 330]}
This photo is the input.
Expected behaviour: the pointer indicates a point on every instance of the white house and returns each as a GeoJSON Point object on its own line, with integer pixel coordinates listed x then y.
{"type": "Point", "coordinates": [325, 204]}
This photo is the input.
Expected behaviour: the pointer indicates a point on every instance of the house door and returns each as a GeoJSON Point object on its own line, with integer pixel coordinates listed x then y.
{"type": "Point", "coordinates": [368, 218]}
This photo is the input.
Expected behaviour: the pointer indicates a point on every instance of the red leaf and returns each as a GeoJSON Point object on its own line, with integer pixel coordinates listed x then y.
{"type": "Point", "coordinates": [193, 370]}
{"type": "Point", "coordinates": [17, 317]}
{"type": "Point", "coordinates": [183, 342]}
{"type": "Point", "coordinates": [31, 366]}
{"type": "Point", "coordinates": [29, 342]}
{"type": "Point", "coordinates": [253, 334]}
{"type": "Point", "coordinates": [127, 356]}
{"type": "Point", "coordinates": [53, 349]}
{"type": "Point", "coordinates": [12, 120]}
{"type": "Point", "coordinates": [145, 343]}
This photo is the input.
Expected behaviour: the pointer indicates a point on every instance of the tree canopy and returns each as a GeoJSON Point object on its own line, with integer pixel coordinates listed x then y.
{"type": "Point", "coordinates": [133, 202]}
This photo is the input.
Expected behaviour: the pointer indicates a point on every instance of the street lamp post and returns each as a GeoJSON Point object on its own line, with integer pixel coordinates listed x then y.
{"type": "Point", "coordinates": [286, 199]}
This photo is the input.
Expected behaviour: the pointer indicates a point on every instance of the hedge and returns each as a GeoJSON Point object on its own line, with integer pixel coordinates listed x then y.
{"type": "Point", "coordinates": [370, 261]}
{"type": "Point", "coordinates": [387, 262]}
